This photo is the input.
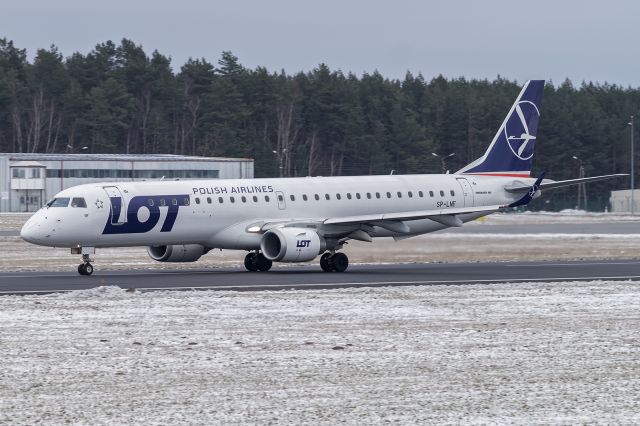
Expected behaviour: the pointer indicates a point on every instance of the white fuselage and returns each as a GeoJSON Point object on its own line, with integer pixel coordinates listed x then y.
{"type": "Point", "coordinates": [222, 213]}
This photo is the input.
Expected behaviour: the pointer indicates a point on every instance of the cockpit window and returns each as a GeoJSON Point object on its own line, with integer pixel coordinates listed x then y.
{"type": "Point", "coordinates": [78, 202]}
{"type": "Point", "coordinates": [58, 202]}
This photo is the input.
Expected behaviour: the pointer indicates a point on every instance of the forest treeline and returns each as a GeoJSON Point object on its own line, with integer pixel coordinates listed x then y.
{"type": "Point", "coordinates": [119, 99]}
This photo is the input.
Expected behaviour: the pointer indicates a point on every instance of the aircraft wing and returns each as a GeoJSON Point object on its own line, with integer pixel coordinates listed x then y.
{"type": "Point", "coordinates": [395, 222]}
{"type": "Point", "coordinates": [551, 184]}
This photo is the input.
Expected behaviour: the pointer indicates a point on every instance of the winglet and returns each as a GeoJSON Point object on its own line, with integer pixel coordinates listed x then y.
{"type": "Point", "coordinates": [526, 199]}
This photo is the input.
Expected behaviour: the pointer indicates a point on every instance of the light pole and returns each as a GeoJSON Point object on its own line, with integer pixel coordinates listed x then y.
{"type": "Point", "coordinates": [633, 207]}
{"type": "Point", "coordinates": [280, 156]}
{"type": "Point", "coordinates": [443, 159]}
{"type": "Point", "coordinates": [582, 190]}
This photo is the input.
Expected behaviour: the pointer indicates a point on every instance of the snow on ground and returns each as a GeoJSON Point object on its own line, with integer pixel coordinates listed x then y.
{"type": "Point", "coordinates": [543, 353]}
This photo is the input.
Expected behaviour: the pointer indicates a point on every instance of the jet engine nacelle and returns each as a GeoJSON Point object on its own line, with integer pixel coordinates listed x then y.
{"type": "Point", "coordinates": [176, 253]}
{"type": "Point", "coordinates": [291, 244]}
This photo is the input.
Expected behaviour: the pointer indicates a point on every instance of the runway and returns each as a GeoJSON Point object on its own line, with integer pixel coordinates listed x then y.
{"type": "Point", "coordinates": [311, 277]}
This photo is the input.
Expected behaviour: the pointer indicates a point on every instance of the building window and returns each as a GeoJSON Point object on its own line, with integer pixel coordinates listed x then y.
{"type": "Point", "coordinates": [18, 173]}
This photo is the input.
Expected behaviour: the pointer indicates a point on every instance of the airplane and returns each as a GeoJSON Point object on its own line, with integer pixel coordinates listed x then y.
{"type": "Point", "coordinates": [296, 219]}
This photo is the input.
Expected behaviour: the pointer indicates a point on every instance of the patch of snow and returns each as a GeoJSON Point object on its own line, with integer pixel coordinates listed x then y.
{"type": "Point", "coordinates": [530, 353]}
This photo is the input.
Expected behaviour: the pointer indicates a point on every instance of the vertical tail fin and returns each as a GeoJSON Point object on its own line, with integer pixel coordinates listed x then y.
{"type": "Point", "coordinates": [511, 151]}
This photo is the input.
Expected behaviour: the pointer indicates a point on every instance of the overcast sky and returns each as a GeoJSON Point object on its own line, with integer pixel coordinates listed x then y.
{"type": "Point", "coordinates": [550, 39]}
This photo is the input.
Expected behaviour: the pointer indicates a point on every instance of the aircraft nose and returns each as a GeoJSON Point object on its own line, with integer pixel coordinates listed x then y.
{"type": "Point", "coordinates": [30, 231]}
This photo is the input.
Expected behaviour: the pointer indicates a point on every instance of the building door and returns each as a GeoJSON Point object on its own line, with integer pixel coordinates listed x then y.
{"type": "Point", "coordinates": [467, 192]}
{"type": "Point", "coordinates": [118, 208]}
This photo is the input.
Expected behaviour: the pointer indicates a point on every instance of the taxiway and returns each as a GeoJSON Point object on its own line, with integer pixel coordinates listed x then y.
{"type": "Point", "coordinates": [311, 277]}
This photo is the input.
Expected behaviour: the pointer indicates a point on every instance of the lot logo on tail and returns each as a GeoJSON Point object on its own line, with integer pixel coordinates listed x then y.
{"type": "Point", "coordinates": [516, 130]}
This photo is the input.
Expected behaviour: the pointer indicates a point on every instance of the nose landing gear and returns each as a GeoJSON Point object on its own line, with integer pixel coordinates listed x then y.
{"type": "Point", "coordinates": [85, 268]}
{"type": "Point", "coordinates": [336, 262]}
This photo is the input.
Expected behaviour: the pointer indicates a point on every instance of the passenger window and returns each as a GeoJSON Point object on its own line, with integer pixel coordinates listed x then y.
{"type": "Point", "coordinates": [442, 193]}
{"type": "Point", "coordinates": [388, 195]}
{"type": "Point", "coordinates": [368, 195]}
{"type": "Point", "coordinates": [420, 194]}
{"type": "Point", "coordinates": [430, 193]}
{"type": "Point", "coordinates": [175, 202]}
{"type": "Point", "coordinates": [358, 195]}
{"type": "Point", "coordinates": [410, 194]}
{"type": "Point", "coordinates": [399, 194]}
{"type": "Point", "coordinates": [197, 201]}
{"type": "Point", "coordinates": [244, 199]}
{"type": "Point", "coordinates": [220, 200]}
{"type": "Point", "coordinates": [151, 203]}
{"type": "Point", "coordinates": [78, 202]}
{"type": "Point", "coordinates": [377, 195]}
{"type": "Point", "coordinates": [304, 197]}
{"type": "Point", "coordinates": [280, 198]}
{"type": "Point", "coordinates": [232, 199]}
{"type": "Point", "coordinates": [266, 198]}
{"type": "Point", "coordinates": [292, 197]}
{"type": "Point", "coordinates": [208, 200]}
{"type": "Point", "coordinates": [348, 195]}
{"type": "Point", "coordinates": [163, 202]}
{"type": "Point", "coordinates": [255, 199]}
{"type": "Point", "coordinates": [317, 197]}
{"type": "Point", "coordinates": [186, 201]}
{"type": "Point", "coordinates": [327, 196]}
{"type": "Point", "coordinates": [453, 193]}
{"type": "Point", "coordinates": [338, 196]}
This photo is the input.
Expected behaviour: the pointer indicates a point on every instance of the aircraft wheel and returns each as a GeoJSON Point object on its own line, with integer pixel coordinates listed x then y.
{"type": "Point", "coordinates": [325, 262]}
{"type": "Point", "coordinates": [85, 269]}
{"type": "Point", "coordinates": [251, 262]}
{"type": "Point", "coordinates": [263, 263]}
{"type": "Point", "coordinates": [88, 269]}
{"type": "Point", "coordinates": [340, 262]}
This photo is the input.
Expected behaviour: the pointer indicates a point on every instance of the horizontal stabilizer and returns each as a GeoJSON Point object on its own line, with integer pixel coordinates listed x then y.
{"type": "Point", "coordinates": [518, 187]}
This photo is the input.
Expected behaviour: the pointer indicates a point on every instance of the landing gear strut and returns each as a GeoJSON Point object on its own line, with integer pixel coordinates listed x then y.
{"type": "Point", "coordinates": [85, 268]}
{"type": "Point", "coordinates": [337, 262]}
{"type": "Point", "coordinates": [257, 262]}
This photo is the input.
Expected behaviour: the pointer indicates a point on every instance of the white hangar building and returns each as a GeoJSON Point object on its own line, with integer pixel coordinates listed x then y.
{"type": "Point", "coordinates": [27, 181]}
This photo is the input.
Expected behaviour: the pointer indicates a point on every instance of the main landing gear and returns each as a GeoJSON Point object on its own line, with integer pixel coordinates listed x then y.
{"type": "Point", "coordinates": [257, 262]}
{"type": "Point", "coordinates": [85, 268]}
{"type": "Point", "coordinates": [336, 262]}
